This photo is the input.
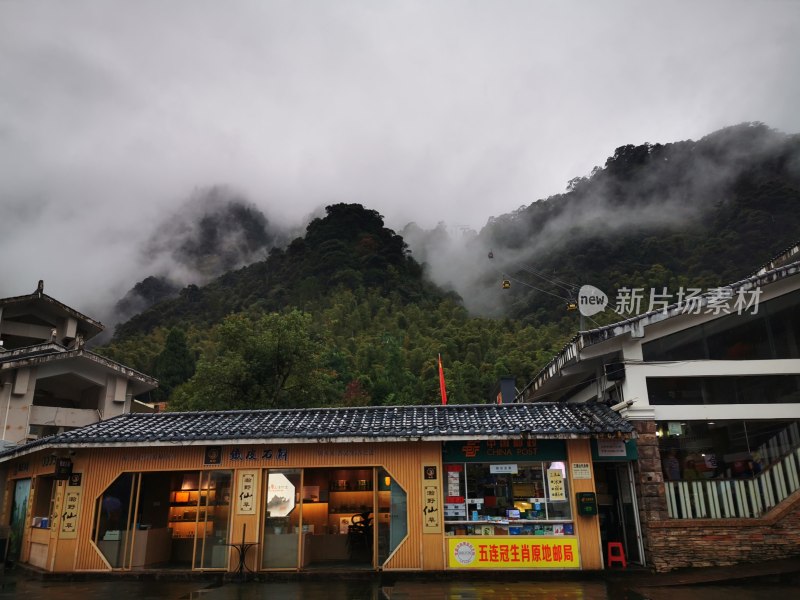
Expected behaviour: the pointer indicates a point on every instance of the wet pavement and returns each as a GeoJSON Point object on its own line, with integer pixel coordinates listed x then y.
{"type": "Point", "coordinates": [761, 581]}
{"type": "Point", "coordinates": [27, 589]}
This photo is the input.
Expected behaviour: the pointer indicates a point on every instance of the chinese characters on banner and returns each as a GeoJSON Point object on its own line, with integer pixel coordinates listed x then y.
{"type": "Point", "coordinates": [246, 500]}
{"type": "Point", "coordinates": [250, 454]}
{"type": "Point", "coordinates": [71, 508]}
{"type": "Point", "coordinates": [555, 480]}
{"type": "Point", "coordinates": [431, 515]}
{"type": "Point", "coordinates": [501, 552]}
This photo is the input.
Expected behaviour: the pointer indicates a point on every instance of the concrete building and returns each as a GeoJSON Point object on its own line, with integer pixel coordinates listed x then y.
{"type": "Point", "coordinates": [712, 385]}
{"type": "Point", "coordinates": [49, 381]}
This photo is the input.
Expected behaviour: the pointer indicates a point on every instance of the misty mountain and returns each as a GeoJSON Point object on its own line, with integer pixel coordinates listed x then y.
{"type": "Point", "coordinates": [349, 248]}
{"type": "Point", "coordinates": [688, 214]}
{"type": "Point", "coordinates": [700, 213]}
{"type": "Point", "coordinates": [215, 230]}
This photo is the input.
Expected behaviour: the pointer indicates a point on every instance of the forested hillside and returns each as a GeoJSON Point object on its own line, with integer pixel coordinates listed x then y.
{"type": "Point", "coordinates": [346, 315]}
{"type": "Point", "coordinates": [694, 213]}
{"type": "Point", "coordinates": [342, 316]}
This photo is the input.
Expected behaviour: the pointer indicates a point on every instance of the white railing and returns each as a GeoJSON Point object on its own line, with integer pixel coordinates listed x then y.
{"type": "Point", "coordinates": [781, 444]}
{"type": "Point", "coordinates": [735, 498]}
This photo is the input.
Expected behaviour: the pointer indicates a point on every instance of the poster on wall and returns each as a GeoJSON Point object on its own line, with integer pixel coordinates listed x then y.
{"type": "Point", "coordinates": [280, 495]}
{"type": "Point", "coordinates": [581, 470]}
{"type": "Point", "coordinates": [246, 500]}
{"type": "Point", "coordinates": [555, 480]}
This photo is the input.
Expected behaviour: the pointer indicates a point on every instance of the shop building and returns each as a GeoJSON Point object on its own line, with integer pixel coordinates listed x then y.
{"type": "Point", "coordinates": [421, 488]}
{"type": "Point", "coordinates": [712, 385]}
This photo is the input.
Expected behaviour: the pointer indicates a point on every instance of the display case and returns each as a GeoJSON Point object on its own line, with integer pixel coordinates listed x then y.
{"type": "Point", "coordinates": [506, 499]}
{"type": "Point", "coordinates": [191, 509]}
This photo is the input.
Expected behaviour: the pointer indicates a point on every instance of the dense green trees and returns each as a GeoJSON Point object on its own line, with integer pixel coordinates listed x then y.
{"type": "Point", "coordinates": [272, 361]}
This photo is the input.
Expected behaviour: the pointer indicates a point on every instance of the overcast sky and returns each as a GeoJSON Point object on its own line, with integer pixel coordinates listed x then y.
{"type": "Point", "coordinates": [112, 112]}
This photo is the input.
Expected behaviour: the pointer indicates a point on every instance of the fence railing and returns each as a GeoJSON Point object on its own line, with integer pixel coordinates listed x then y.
{"type": "Point", "coordinates": [735, 498]}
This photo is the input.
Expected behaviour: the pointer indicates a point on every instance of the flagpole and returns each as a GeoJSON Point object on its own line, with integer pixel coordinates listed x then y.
{"type": "Point", "coordinates": [442, 386]}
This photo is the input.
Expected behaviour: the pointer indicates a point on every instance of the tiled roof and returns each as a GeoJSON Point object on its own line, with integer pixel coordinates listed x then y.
{"type": "Point", "coordinates": [93, 327]}
{"type": "Point", "coordinates": [385, 423]}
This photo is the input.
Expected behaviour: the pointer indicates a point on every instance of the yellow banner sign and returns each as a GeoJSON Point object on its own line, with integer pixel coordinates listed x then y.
{"type": "Point", "coordinates": [532, 552]}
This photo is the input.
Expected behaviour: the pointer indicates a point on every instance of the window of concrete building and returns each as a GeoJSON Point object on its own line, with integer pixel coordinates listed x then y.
{"type": "Point", "coordinates": [773, 332]}
{"type": "Point", "coordinates": [697, 450]}
{"type": "Point", "coordinates": [745, 389]}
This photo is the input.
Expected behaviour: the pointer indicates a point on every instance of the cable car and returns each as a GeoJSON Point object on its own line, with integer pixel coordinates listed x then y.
{"type": "Point", "coordinates": [506, 284]}
{"type": "Point", "coordinates": [572, 306]}
{"type": "Point", "coordinates": [491, 254]}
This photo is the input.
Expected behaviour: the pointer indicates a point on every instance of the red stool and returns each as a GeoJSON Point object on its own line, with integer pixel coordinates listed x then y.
{"type": "Point", "coordinates": [616, 554]}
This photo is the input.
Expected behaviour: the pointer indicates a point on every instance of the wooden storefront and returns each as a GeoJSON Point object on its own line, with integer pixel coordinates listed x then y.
{"type": "Point", "coordinates": [302, 505]}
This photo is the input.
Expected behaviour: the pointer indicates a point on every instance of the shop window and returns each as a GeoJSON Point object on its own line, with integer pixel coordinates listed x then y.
{"type": "Point", "coordinates": [698, 450]}
{"type": "Point", "coordinates": [43, 502]}
{"type": "Point", "coordinates": [526, 498]}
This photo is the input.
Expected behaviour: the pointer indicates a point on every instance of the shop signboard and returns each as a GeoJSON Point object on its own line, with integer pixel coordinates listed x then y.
{"type": "Point", "coordinates": [431, 516]}
{"type": "Point", "coordinates": [69, 516]}
{"type": "Point", "coordinates": [491, 552]}
{"type": "Point", "coordinates": [495, 451]}
{"type": "Point", "coordinates": [506, 468]}
{"type": "Point", "coordinates": [614, 450]}
{"type": "Point", "coordinates": [246, 500]}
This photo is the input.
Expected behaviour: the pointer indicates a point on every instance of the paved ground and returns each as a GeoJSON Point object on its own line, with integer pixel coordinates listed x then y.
{"type": "Point", "coordinates": [767, 581]}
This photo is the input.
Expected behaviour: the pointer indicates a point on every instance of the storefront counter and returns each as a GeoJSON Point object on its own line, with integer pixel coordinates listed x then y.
{"type": "Point", "coordinates": [151, 547]}
{"type": "Point", "coordinates": [326, 547]}
{"type": "Point", "coordinates": [40, 543]}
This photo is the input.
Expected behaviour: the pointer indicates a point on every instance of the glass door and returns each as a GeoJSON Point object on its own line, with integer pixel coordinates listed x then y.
{"type": "Point", "coordinates": [114, 526]}
{"type": "Point", "coordinates": [392, 521]}
{"type": "Point", "coordinates": [282, 519]}
{"type": "Point", "coordinates": [628, 513]}
{"type": "Point", "coordinates": [211, 548]}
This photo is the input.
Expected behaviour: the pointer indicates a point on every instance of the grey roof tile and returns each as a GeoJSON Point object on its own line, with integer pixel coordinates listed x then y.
{"type": "Point", "coordinates": [436, 422]}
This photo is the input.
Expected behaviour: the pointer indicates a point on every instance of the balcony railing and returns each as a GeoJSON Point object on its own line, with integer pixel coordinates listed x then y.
{"type": "Point", "coordinates": [735, 498]}
{"type": "Point", "coordinates": [63, 417]}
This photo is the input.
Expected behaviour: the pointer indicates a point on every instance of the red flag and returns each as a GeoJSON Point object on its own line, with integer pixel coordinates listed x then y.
{"type": "Point", "coordinates": [442, 386]}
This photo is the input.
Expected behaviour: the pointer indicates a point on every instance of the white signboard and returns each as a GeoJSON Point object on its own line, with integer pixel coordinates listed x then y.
{"type": "Point", "coordinates": [581, 471]}
{"type": "Point", "coordinates": [508, 469]}
{"type": "Point", "coordinates": [611, 448]}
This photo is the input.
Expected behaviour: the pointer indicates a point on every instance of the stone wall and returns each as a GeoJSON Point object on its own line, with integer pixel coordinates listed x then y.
{"type": "Point", "coordinates": [649, 481]}
{"type": "Point", "coordinates": [678, 543]}
{"type": "Point", "coordinates": [682, 543]}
